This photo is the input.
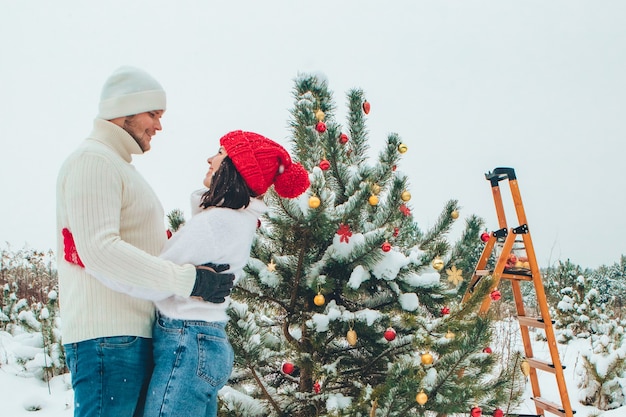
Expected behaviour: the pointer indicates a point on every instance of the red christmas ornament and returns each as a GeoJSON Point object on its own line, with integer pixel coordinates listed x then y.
{"type": "Point", "coordinates": [344, 233]}
{"type": "Point", "coordinates": [258, 223]}
{"type": "Point", "coordinates": [320, 127]}
{"type": "Point", "coordinates": [317, 387]}
{"type": "Point", "coordinates": [476, 411]}
{"type": "Point", "coordinates": [445, 310]}
{"type": "Point", "coordinates": [168, 232]}
{"type": "Point", "coordinates": [386, 247]}
{"type": "Point", "coordinates": [484, 236]}
{"type": "Point", "coordinates": [396, 231]}
{"type": "Point", "coordinates": [343, 138]}
{"type": "Point", "coordinates": [288, 368]}
{"type": "Point", "coordinates": [487, 350]}
{"type": "Point", "coordinates": [324, 164]}
{"type": "Point", "coordinates": [405, 210]}
{"type": "Point", "coordinates": [498, 413]}
{"type": "Point", "coordinates": [390, 334]}
{"type": "Point", "coordinates": [495, 295]}
{"type": "Point", "coordinates": [366, 107]}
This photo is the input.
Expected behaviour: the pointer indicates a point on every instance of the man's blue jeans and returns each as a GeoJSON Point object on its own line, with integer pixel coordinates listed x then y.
{"type": "Point", "coordinates": [193, 360]}
{"type": "Point", "coordinates": [110, 375]}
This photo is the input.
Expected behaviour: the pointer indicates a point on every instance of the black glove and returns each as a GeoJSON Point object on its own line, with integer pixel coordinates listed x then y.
{"type": "Point", "coordinates": [212, 286]}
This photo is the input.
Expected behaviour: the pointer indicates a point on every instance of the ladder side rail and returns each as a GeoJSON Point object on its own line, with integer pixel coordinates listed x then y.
{"type": "Point", "coordinates": [497, 199]}
{"type": "Point", "coordinates": [542, 301]}
{"type": "Point", "coordinates": [480, 265]}
{"type": "Point", "coordinates": [517, 202]}
{"type": "Point", "coordinates": [527, 343]}
{"type": "Point", "coordinates": [498, 270]}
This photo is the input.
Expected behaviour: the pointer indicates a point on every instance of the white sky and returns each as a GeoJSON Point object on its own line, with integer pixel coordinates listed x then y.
{"type": "Point", "coordinates": [469, 86]}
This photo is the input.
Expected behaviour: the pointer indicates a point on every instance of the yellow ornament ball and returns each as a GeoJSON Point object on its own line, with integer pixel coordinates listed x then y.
{"type": "Point", "coordinates": [421, 397]}
{"type": "Point", "coordinates": [314, 201]}
{"type": "Point", "coordinates": [373, 200]}
{"type": "Point", "coordinates": [351, 336]}
{"type": "Point", "coordinates": [525, 367]}
{"type": "Point", "coordinates": [405, 196]}
{"type": "Point", "coordinates": [319, 299]}
{"type": "Point", "coordinates": [402, 148]}
{"type": "Point", "coordinates": [454, 214]}
{"type": "Point", "coordinates": [427, 358]}
{"type": "Point", "coordinates": [319, 115]}
{"type": "Point", "coordinates": [437, 263]}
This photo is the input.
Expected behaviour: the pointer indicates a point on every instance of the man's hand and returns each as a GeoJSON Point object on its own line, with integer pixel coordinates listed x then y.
{"type": "Point", "coordinates": [212, 286]}
{"type": "Point", "coordinates": [219, 268]}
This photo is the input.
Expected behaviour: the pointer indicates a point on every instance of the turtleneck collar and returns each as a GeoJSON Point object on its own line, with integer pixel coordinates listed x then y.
{"type": "Point", "coordinates": [116, 138]}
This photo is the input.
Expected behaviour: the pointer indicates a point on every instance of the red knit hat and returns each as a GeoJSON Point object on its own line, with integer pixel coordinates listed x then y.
{"type": "Point", "coordinates": [263, 162]}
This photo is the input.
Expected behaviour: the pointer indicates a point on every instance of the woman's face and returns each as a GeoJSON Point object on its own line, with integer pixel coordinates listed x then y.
{"type": "Point", "coordinates": [214, 163]}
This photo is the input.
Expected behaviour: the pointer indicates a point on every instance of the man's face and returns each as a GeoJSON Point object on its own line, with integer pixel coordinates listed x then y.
{"type": "Point", "coordinates": [143, 126]}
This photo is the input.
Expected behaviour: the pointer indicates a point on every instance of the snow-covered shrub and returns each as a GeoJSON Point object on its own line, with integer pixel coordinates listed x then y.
{"type": "Point", "coordinates": [29, 314]}
{"type": "Point", "coordinates": [599, 381]}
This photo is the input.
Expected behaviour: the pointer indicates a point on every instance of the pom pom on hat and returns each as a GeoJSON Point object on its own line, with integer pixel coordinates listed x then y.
{"type": "Point", "coordinates": [263, 162]}
{"type": "Point", "coordinates": [130, 91]}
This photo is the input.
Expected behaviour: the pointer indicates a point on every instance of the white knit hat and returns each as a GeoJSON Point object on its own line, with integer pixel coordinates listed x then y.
{"type": "Point", "coordinates": [130, 91]}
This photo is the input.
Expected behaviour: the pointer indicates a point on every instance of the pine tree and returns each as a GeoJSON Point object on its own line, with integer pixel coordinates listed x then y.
{"type": "Point", "coordinates": [347, 307]}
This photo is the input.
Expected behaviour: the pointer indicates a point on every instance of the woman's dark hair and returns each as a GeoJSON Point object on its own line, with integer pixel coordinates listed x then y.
{"type": "Point", "coordinates": [228, 189]}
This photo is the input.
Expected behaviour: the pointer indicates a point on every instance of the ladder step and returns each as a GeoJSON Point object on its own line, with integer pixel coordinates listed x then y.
{"type": "Point", "coordinates": [550, 406]}
{"type": "Point", "coordinates": [519, 275]}
{"type": "Point", "coordinates": [537, 322]}
{"type": "Point", "coordinates": [508, 273]}
{"type": "Point", "coordinates": [519, 271]}
{"type": "Point", "coordinates": [542, 365]}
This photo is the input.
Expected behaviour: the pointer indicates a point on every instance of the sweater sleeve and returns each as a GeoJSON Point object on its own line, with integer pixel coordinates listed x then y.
{"type": "Point", "coordinates": [96, 198]}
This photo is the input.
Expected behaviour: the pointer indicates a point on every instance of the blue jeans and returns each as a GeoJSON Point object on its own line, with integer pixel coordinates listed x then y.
{"type": "Point", "coordinates": [193, 360]}
{"type": "Point", "coordinates": [110, 375]}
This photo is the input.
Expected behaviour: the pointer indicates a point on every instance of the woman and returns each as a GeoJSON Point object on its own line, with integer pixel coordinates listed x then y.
{"type": "Point", "coordinates": [193, 358]}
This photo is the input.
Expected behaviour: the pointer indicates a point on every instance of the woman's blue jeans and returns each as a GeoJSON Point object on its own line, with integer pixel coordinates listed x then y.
{"type": "Point", "coordinates": [110, 375]}
{"type": "Point", "coordinates": [193, 361]}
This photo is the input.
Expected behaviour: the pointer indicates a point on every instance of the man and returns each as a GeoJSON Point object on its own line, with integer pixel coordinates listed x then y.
{"type": "Point", "coordinates": [111, 224]}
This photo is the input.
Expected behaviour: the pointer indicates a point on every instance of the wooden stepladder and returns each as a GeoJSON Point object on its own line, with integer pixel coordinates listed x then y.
{"type": "Point", "coordinates": [516, 261]}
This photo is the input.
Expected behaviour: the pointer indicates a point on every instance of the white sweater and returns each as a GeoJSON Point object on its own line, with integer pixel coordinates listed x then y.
{"type": "Point", "coordinates": [117, 223]}
{"type": "Point", "coordinates": [216, 234]}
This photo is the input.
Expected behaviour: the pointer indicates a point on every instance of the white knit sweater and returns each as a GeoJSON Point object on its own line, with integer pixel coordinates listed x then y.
{"type": "Point", "coordinates": [216, 234]}
{"type": "Point", "coordinates": [118, 225]}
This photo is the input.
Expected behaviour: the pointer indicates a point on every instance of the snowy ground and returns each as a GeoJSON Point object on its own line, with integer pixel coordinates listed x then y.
{"type": "Point", "coordinates": [22, 394]}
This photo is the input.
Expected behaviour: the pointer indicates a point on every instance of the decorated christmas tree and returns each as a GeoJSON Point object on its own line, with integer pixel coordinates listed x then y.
{"type": "Point", "coordinates": [347, 307]}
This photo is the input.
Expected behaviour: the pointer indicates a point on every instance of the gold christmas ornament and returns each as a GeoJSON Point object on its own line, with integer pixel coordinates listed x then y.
{"type": "Point", "coordinates": [373, 200]}
{"type": "Point", "coordinates": [375, 188]}
{"type": "Point", "coordinates": [437, 263]}
{"type": "Point", "coordinates": [454, 214]}
{"type": "Point", "coordinates": [405, 196]}
{"type": "Point", "coordinates": [421, 397]}
{"type": "Point", "coordinates": [402, 148]}
{"type": "Point", "coordinates": [314, 201]}
{"type": "Point", "coordinates": [525, 367]}
{"type": "Point", "coordinates": [351, 336]}
{"type": "Point", "coordinates": [319, 299]}
{"type": "Point", "coordinates": [427, 358]}
{"type": "Point", "coordinates": [319, 115]}
{"type": "Point", "coordinates": [449, 335]}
